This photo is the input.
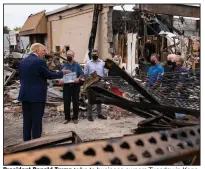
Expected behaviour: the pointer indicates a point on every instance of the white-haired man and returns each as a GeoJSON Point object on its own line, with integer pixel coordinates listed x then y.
{"type": "Point", "coordinates": [171, 63]}
{"type": "Point", "coordinates": [34, 73]}
{"type": "Point", "coordinates": [71, 90]}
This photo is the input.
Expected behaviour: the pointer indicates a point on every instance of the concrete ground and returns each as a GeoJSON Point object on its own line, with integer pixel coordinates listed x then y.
{"type": "Point", "coordinates": [99, 129]}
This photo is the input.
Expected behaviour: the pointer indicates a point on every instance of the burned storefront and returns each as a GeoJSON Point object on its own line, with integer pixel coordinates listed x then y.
{"type": "Point", "coordinates": [146, 30]}
{"type": "Point", "coordinates": [134, 35]}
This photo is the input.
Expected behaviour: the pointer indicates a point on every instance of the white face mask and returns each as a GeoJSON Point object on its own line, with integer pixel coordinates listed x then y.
{"type": "Point", "coordinates": [116, 62]}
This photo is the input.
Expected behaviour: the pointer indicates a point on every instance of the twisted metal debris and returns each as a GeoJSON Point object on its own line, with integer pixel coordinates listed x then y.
{"type": "Point", "coordinates": [166, 147]}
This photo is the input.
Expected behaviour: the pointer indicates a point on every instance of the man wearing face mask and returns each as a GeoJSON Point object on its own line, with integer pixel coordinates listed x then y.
{"type": "Point", "coordinates": [95, 65]}
{"type": "Point", "coordinates": [155, 71]}
{"type": "Point", "coordinates": [171, 64]}
{"type": "Point", "coordinates": [71, 90]}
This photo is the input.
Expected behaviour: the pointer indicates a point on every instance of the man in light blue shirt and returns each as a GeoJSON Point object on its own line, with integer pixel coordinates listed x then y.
{"type": "Point", "coordinates": [95, 65]}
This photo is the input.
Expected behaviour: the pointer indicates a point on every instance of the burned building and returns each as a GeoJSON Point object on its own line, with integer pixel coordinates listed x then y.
{"type": "Point", "coordinates": [118, 32]}
{"type": "Point", "coordinates": [167, 115]}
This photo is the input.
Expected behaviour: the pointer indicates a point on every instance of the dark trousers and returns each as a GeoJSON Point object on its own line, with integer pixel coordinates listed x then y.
{"type": "Point", "coordinates": [90, 111]}
{"type": "Point", "coordinates": [71, 93]}
{"type": "Point", "coordinates": [32, 119]}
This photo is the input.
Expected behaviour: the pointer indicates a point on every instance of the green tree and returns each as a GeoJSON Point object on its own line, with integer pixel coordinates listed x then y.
{"type": "Point", "coordinates": [17, 28]}
{"type": "Point", "coordinates": [6, 29]}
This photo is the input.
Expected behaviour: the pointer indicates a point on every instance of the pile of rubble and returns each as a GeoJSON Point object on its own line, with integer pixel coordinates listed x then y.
{"type": "Point", "coordinates": [54, 105]}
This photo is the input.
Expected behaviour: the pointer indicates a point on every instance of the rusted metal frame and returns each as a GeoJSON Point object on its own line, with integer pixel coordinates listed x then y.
{"type": "Point", "coordinates": [156, 148]}
{"type": "Point", "coordinates": [168, 109]}
{"type": "Point", "coordinates": [163, 109]}
{"type": "Point", "coordinates": [95, 97]}
{"type": "Point", "coordinates": [48, 141]}
{"type": "Point", "coordinates": [149, 120]}
{"type": "Point", "coordinates": [160, 125]}
{"type": "Point", "coordinates": [110, 98]}
{"type": "Point", "coordinates": [148, 129]}
{"type": "Point", "coordinates": [158, 118]}
{"type": "Point", "coordinates": [110, 65]}
{"type": "Point", "coordinates": [98, 98]}
{"type": "Point", "coordinates": [183, 123]}
{"type": "Point", "coordinates": [152, 124]}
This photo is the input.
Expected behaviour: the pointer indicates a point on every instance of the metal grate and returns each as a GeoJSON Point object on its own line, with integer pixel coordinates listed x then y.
{"type": "Point", "coordinates": [178, 89]}
{"type": "Point", "coordinates": [165, 147]}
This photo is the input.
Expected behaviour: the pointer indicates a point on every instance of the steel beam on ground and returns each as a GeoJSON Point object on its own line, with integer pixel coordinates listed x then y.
{"type": "Point", "coordinates": [43, 142]}
{"type": "Point", "coordinates": [156, 148]}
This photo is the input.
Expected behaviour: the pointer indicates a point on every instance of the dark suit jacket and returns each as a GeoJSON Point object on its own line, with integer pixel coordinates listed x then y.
{"type": "Point", "coordinates": [34, 73]}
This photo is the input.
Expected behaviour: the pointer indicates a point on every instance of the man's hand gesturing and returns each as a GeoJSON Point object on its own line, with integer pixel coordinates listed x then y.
{"type": "Point", "coordinates": [60, 81]}
{"type": "Point", "coordinates": [65, 71]}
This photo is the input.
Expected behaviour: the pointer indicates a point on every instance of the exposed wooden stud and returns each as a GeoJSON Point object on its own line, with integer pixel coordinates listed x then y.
{"type": "Point", "coordinates": [129, 53]}
{"type": "Point", "coordinates": [133, 56]}
{"type": "Point", "coordinates": [116, 43]}
{"type": "Point", "coordinates": [110, 37]}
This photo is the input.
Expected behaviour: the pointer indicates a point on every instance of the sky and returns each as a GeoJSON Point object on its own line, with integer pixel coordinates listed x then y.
{"type": "Point", "coordinates": [13, 17]}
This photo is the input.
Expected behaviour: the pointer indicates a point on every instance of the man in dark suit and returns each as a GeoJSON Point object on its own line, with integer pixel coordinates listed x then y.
{"type": "Point", "coordinates": [34, 73]}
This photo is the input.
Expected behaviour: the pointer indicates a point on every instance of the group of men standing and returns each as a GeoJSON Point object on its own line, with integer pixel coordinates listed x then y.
{"type": "Point", "coordinates": [34, 73]}
{"type": "Point", "coordinates": [71, 90]}
{"type": "Point", "coordinates": [156, 71]}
